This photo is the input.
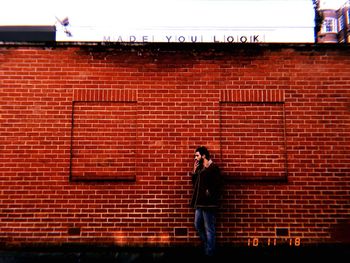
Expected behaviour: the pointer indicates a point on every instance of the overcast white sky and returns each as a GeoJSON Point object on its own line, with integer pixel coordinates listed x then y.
{"type": "Point", "coordinates": [93, 20]}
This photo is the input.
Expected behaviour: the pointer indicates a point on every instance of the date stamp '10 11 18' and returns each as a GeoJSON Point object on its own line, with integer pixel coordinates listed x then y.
{"type": "Point", "coordinates": [256, 242]}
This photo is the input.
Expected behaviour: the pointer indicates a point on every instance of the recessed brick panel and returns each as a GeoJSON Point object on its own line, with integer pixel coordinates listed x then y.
{"type": "Point", "coordinates": [103, 140]}
{"type": "Point", "coordinates": [253, 140]}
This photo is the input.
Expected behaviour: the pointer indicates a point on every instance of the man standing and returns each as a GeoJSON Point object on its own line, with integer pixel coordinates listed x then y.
{"type": "Point", "coordinates": [206, 179]}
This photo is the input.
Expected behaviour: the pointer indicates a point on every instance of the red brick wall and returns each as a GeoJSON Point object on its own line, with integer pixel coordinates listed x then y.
{"type": "Point", "coordinates": [97, 143]}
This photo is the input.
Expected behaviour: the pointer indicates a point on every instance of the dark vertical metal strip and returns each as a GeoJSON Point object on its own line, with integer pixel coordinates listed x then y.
{"type": "Point", "coordinates": [285, 141]}
{"type": "Point", "coordinates": [71, 144]}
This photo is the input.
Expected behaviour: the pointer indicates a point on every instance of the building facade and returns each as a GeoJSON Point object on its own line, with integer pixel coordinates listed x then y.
{"type": "Point", "coordinates": [97, 142]}
{"type": "Point", "coordinates": [336, 25]}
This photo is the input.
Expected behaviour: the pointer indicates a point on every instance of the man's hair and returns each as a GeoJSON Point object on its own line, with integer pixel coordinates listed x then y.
{"type": "Point", "coordinates": [203, 151]}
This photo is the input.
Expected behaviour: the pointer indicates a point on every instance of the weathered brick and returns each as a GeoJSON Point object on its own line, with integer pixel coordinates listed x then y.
{"type": "Point", "coordinates": [275, 118]}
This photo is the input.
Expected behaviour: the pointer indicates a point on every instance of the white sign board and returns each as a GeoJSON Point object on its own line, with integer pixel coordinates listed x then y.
{"type": "Point", "coordinates": [168, 21]}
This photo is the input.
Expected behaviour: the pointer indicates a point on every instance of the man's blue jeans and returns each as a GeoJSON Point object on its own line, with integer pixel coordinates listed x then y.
{"type": "Point", "coordinates": [204, 222]}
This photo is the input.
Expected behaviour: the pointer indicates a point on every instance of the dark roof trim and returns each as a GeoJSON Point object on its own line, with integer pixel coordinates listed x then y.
{"type": "Point", "coordinates": [27, 33]}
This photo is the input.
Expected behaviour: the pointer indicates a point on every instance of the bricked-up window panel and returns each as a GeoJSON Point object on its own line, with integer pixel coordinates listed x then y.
{"type": "Point", "coordinates": [103, 141]}
{"type": "Point", "coordinates": [253, 140]}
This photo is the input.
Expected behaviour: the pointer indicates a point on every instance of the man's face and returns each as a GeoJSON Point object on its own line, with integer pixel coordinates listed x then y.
{"type": "Point", "coordinates": [198, 157]}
